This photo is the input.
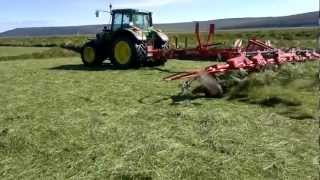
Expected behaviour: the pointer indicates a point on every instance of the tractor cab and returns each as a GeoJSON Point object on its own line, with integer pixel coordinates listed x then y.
{"type": "Point", "coordinates": [131, 18]}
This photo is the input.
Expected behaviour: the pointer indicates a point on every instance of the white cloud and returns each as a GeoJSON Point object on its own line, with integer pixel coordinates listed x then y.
{"type": "Point", "coordinates": [147, 3]}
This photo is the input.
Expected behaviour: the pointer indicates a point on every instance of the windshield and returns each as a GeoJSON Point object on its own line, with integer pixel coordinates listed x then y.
{"type": "Point", "coordinates": [126, 20]}
{"type": "Point", "coordinates": [141, 21]}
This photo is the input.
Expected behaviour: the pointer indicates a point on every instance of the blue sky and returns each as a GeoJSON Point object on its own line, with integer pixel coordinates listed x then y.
{"type": "Point", "coordinates": [30, 13]}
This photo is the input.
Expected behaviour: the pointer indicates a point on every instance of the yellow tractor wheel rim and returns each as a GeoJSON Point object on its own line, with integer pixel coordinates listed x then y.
{"type": "Point", "coordinates": [122, 52]}
{"type": "Point", "coordinates": [89, 54]}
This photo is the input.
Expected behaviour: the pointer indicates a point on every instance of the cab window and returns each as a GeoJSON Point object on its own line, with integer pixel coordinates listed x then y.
{"type": "Point", "coordinates": [117, 21]}
{"type": "Point", "coordinates": [141, 20]}
{"type": "Point", "coordinates": [126, 21]}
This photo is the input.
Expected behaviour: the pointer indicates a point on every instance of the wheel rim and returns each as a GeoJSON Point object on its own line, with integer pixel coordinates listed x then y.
{"type": "Point", "coordinates": [122, 52]}
{"type": "Point", "coordinates": [89, 54]}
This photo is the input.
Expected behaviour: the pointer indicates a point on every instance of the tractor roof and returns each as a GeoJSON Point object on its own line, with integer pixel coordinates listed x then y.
{"type": "Point", "coordinates": [133, 11]}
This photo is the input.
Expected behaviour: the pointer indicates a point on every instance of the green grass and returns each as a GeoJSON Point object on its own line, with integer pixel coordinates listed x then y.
{"type": "Point", "coordinates": [59, 120]}
{"type": "Point", "coordinates": [16, 51]}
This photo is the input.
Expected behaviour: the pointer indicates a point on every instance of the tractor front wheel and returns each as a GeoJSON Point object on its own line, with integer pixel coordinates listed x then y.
{"type": "Point", "coordinates": [90, 55]}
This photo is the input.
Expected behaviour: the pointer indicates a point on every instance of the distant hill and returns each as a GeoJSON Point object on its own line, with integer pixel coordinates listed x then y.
{"type": "Point", "coordinates": [299, 20]}
{"type": "Point", "coordinates": [52, 31]}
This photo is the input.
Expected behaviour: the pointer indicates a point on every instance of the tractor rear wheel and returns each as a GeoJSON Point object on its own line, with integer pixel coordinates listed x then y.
{"type": "Point", "coordinates": [127, 53]}
{"type": "Point", "coordinates": [90, 54]}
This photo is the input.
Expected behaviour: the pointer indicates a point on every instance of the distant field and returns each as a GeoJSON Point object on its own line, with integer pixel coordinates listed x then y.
{"type": "Point", "coordinates": [279, 37]}
{"type": "Point", "coordinates": [61, 120]}
{"type": "Point", "coordinates": [16, 51]}
{"type": "Point", "coordinates": [303, 37]}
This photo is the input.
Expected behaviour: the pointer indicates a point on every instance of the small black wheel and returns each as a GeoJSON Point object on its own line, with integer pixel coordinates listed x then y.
{"type": "Point", "coordinates": [91, 55]}
{"type": "Point", "coordinates": [211, 86]}
{"type": "Point", "coordinates": [214, 91]}
{"type": "Point", "coordinates": [128, 53]}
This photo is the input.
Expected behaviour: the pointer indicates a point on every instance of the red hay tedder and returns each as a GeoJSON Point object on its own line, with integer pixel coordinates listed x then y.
{"type": "Point", "coordinates": [256, 56]}
{"type": "Point", "coordinates": [208, 50]}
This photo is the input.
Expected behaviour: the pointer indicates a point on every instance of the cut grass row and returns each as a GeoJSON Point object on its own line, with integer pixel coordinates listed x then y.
{"type": "Point", "coordinates": [16, 51]}
{"type": "Point", "coordinates": [290, 91]}
{"type": "Point", "coordinates": [33, 53]}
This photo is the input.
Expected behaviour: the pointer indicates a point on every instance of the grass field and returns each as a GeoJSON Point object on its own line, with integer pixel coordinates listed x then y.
{"type": "Point", "coordinates": [60, 120]}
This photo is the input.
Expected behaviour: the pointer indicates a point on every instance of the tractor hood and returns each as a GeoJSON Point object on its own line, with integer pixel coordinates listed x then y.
{"type": "Point", "coordinates": [149, 33]}
{"type": "Point", "coordinates": [138, 33]}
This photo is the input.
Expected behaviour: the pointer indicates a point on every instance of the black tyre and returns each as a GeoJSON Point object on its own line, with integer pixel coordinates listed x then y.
{"type": "Point", "coordinates": [211, 86]}
{"type": "Point", "coordinates": [91, 54]}
{"type": "Point", "coordinates": [128, 53]}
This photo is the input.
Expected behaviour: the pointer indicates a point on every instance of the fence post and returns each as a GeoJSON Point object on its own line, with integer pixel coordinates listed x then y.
{"type": "Point", "coordinates": [186, 42]}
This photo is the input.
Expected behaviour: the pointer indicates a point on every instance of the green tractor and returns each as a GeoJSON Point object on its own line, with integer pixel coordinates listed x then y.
{"type": "Point", "coordinates": [130, 42]}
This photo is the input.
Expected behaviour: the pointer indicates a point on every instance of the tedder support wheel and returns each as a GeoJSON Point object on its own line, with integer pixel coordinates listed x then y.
{"type": "Point", "coordinates": [211, 87]}
{"type": "Point", "coordinates": [90, 54]}
{"type": "Point", "coordinates": [128, 53]}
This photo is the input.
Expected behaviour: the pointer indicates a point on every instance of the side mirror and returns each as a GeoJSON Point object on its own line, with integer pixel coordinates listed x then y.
{"type": "Point", "coordinates": [97, 13]}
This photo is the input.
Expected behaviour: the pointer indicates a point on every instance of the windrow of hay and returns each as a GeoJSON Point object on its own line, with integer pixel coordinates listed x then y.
{"type": "Point", "coordinates": [285, 90]}
{"type": "Point", "coordinates": [54, 52]}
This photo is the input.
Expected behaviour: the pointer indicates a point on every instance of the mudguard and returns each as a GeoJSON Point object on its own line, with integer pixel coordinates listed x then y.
{"type": "Point", "coordinates": [162, 35]}
{"type": "Point", "coordinates": [138, 35]}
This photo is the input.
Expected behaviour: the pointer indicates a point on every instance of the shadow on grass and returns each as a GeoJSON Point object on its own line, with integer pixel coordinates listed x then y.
{"type": "Point", "coordinates": [175, 100]}
{"type": "Point", "coordinates": [187, 99]}
{"type": "Point", "coordinates": [274, 101]}
{"type": "Point", "coordinates": [266, 102]}
{"type": "Point", "coordinates": [165, 70]}
{"type": "Point", "coordinates": [133, 177]}
{"type": "Point", "coordinates": [81, 67]}
{"type": "Point", "coordinates": [104, 67]}
{"type": "Point", "coordinates": [284, 107]}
